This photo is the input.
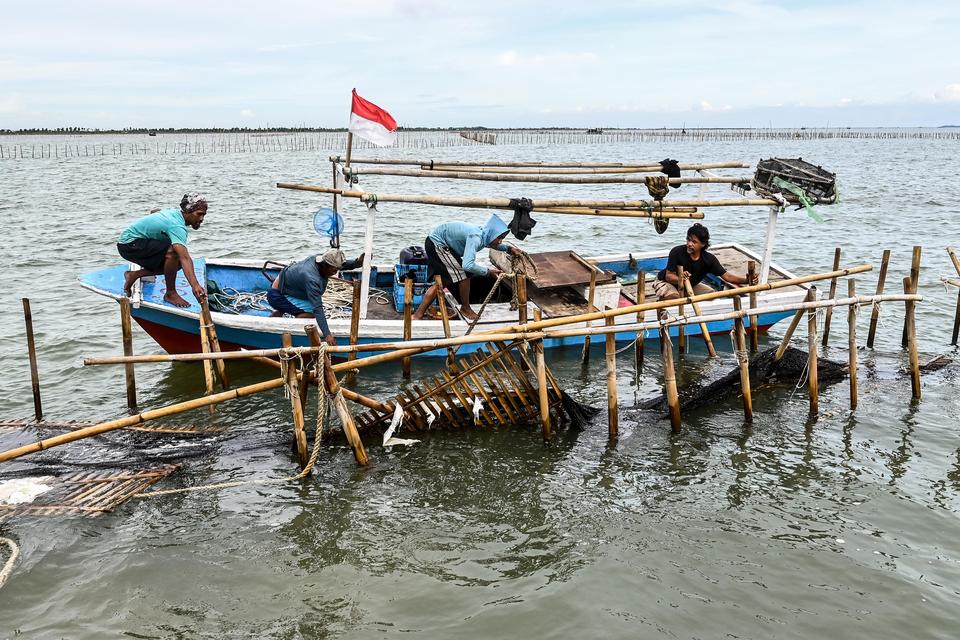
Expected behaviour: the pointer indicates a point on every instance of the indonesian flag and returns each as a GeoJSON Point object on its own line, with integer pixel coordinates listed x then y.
{"type": "Point", "coordinates": [372, 123]}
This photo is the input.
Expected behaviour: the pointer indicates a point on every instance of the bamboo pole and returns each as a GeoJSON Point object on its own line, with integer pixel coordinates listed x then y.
{"type": "Point", "coordinates": [32, 355]}
{"type": "Point", "coordinates": [433, 164]}
{"type": "Point", "coordinates": [681, 329]}
{"type": "Point", "coordinates": [207, 364]}
{"type": "Point", "coordinates": [754, 325]}
{"type": "Point", "coordinates": [558, 176]}
{"type": "Point", "coordinates": [128, 369]}
{"type": "Point", "coordinates": [207, 318]}
{"type": "Point", "coordinates": [670, 380]}
{"type": "Point", "coordinates": [408, 320]}
{"type": "Point", "coordinates": [442, 302]}
{"type": "Point", "coordinates": [743, 360]}
{"type": "Point", "coordinates": [833, 294]}
{"type": "Point", "coordinates": [875, 314]}
{"type": "Point", "coordinates": [504, 203]}
{"type": "Point", "coordinates": [642, 334]}
{"type": "Point", "coordinates": [355, 319]}
{"type": "Point", "coordinates": [704, 330]}
{"type": "Point", "coordinates": [542, 384]}
{"type": "Point", "coordinates": [521, 281]}
{"type": "Point", "coordinates": [852, 342]}
{"type": "Point", "coordinates": [909, 287]}
{"type": "Point", "coordinates": [613, 419]}
{"type": "Point", "coordinates": [956, 316]}
{"type": "Point", "coordinates": [293, 391]}
{"type": "Point", "coordinates": [915, 283]}
{"type": "Point", "coordinates": [794, 323]}
{"type": "Point", "coordinates": [346, 419]}
{"type": "Point", "coordinates": [591, 296]}
{"type": "Point", "coordinates": [812, 383]}
{"type": "Point", "coordinates": [145, 416]}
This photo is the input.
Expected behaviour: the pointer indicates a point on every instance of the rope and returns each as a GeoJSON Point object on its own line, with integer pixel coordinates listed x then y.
{"type": "Point", "coordinates": [8, 567]}
{"type": "Point", "coordinates": [337, 300]}
{"type": "Point", "coordinates": [658, 186]}
{"type": "Point", "coordinates": [322, 410]}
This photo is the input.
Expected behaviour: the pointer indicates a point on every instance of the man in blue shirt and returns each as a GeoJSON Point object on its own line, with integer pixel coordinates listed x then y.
{"type": "Point", "coordinates": [452, 250]}
{"type": "Point", "coordinates": [307, 280]}
{"type": "Point", "coordinates": [158, 243]}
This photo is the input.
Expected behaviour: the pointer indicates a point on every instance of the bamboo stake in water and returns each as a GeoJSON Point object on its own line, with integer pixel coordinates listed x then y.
{"type": "Point", "coordinates": [956, 317]}
{"type": "Point", "coordinates": [355, 318]}
{"type": "Point", "coordinates": [852, 343]}
{"type": "Point", "coordinates": [585, 355]}
{"type": "Point", "coordinates": [828, 317]}
{"type": "Point", "coordinates": [32, 355]}
{"type": "Point", "coordinates": [670, 379]}
{"type": "Point", "coordinates": [346, 419]}
{"type": "Point", "coordinates": [442, 302]}
{"type": "Point", "coordinates": [522, 313]}
{"type": "Point", "coordinates": [128, 369]}
{"type": "Point", "coordinates": [408, 320]}
{"type": "Point", "coordinates": [641, 335]}
{"type": "Point", "coordinates": [909, 321]}
{"type": "Point", "coordinates": [812, 382]}
{"type": "Point", "coordinates": [613, 419]}
{"type": "Point", "coordinates": [221, 366]}
{"type": "Point", "coordinates": [875, 314]}
{"type": "Point", "coordinates": [743, 360]}
{"type": "Point", "coordinates": [794, 323]}
{"type": "Point", "coordinates": [293, 390]}
{"type": "Point", "coordinates": [542, 384]}
{"type": "Point", "coordinates": [754, 320]}
{"type": "Point", "coordinates": [914, 284]}
{"type": "Point", "coordinates": [681, 329]}
{"type": "Point", "coordinates": [704, 330]}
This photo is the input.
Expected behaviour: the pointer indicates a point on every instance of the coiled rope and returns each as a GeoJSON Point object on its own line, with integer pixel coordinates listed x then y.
{"type": "Point", "coordinates": [12, 560]}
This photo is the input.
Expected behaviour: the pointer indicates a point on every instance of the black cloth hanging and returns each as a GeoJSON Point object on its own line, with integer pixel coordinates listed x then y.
{"type": "Point", "coordinates": [671, 168]}
{"type": "Point", "coordinates": [522, 224]}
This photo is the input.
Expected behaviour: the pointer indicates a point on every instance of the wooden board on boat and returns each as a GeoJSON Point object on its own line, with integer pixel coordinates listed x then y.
{"type": "Point", "coordinates": [557, 269]}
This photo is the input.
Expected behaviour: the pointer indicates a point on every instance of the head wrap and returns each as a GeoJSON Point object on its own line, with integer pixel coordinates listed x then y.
{"type": "Point", "coordinates": [192, 201]}
{"type": "Point", "coordinates": [334, 258]}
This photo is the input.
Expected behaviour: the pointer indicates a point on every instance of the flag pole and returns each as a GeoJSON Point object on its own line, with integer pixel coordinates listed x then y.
{"type": "Point", "coordinates": [367, 237]}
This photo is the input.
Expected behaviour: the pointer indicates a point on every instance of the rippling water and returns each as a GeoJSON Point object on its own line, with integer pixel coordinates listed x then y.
{"type": "Point", "coordinates": [844, 525]}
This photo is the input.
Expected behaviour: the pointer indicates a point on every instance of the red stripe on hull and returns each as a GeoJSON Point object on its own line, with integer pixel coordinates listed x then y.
{"type": "Point", "coordinates": [176, 341]}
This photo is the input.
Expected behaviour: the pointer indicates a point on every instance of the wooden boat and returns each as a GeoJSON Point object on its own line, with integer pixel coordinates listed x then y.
{"type": "Point", "coordinates": [176, 329]}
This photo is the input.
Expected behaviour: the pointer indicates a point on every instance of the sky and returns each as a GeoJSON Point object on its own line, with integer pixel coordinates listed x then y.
{"type": "Point", "coordinates": [495, 63]}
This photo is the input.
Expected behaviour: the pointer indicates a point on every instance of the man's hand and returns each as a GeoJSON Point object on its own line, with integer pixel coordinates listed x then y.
{"type": "Point", "coordinates": [330, 340]}
{"type": "Point", "coordinates": [199, 293]}
{"type": "Point", "coordinates": [494, 272]}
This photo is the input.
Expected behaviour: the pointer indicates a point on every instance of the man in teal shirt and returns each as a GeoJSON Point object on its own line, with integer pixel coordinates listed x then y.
{"type": "Point", "coordinates": [158, 244]}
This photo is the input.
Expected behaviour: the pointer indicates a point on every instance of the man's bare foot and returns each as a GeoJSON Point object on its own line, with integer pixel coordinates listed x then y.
{"type": "Point", "coordinates": [129, 277]}
{"type": "Point", "coordinates": [175, 298]}
{"type": "Point", "coordinates": [468, 314]}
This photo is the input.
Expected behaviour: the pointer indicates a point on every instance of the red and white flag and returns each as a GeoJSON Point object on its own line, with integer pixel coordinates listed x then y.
{"type": "Point", "coordinates": [372, 123]}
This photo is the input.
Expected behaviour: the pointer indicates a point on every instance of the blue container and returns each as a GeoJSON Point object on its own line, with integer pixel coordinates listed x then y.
{"type": "Point", "coordinates": [419, 272]}
{"type": "Point", "coordinates": [419, 288]}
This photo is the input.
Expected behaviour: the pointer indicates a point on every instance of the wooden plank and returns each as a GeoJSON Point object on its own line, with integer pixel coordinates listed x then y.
{"type": "Point", "coordinates": [563, 269]}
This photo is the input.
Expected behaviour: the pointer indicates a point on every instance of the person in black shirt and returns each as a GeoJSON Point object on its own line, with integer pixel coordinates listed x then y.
{"type": "Point", "coordinates": [697, 262]}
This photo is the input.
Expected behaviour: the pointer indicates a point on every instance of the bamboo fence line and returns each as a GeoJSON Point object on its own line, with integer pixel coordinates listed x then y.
{"type": "Point", "coordinates": [320, 141]}
{"type": "Point", "coordinates": [504, 203]}
{"type": "Point", "coordinates": [500, 166]}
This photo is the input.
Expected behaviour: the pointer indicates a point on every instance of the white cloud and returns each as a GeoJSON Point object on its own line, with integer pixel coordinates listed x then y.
{"type": "Point", "coordinates": [12, 103]}
{"type": "Point", "coordinates": [247, 113]}
{"type": "Point", "coordinates": [507, 58]}
{"type": "Point", "coordinates": [950, 93]}
{"type": "Point", "coordinates": [555, 59]}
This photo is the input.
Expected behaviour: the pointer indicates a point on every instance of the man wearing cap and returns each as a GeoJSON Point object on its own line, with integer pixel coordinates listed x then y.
{"type": "Point", "coordinates": [158, 243]}
{"type": "Point", "coordinates": [307, 280]}
{"type": "Point", "coordinates": [452, 250]}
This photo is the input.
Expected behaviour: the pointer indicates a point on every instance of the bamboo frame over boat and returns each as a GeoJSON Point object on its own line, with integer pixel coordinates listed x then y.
{"type": "Point", "coordinates": [434, 164]}
{"type": "Point", "coordinates": [542, 178]}
{"type": "Point", "coordinates": [504, 203]}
